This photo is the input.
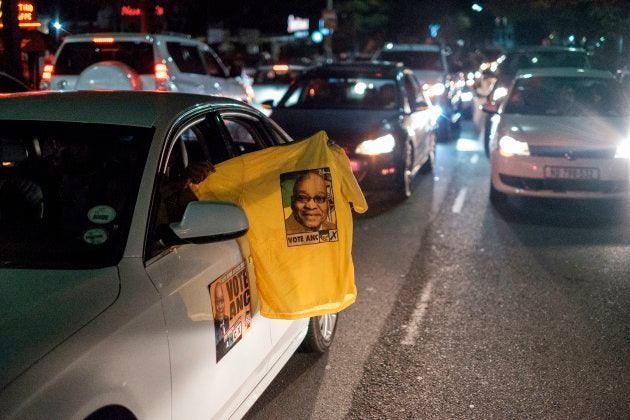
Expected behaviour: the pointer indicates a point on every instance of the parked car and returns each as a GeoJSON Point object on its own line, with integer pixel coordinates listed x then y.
{"type": "Point", "coordinates": [9, 84]}
{"type": "Point", "coordinates": [430, 66]}
{"type": "Point", "coordinates": [272, 81]}
{"type": "Point", "coordinates": [525, 58]}
{"type": "Point", "coordinates": [561, 133]}
{"type": "Point", "coordinates": [108, 265]}
{"type": "Point", "coordinates": [376, 111]}
{"type": "Point", "coordinates": [134, 61]}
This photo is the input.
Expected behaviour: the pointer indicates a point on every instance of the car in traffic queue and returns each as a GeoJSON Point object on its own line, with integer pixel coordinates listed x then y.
{"type": "Point", "coordinates": [270, 82]}
{"type": "Point", "coordinates": [561, 133]}
{"type": "Point", "coordinates": [376, 111]}
{"type": "Point", "coordinates": [122, 295]}
{"type": "Point", "coordinates": [524, 58]}
{"type": "Point", "coordinates": [430, 66]}
{"type": "Point", "coordinates": [140, 61]}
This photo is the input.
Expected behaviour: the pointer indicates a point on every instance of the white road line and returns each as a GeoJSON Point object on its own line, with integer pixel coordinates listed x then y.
{"type": "Point", "coordinates": [459, 201]}
{"type": "Point", "coordinates": [416, 318]}
{"type": "Point", "coordinates": [474, 158]}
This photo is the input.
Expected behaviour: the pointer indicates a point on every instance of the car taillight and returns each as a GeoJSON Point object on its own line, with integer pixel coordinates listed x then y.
{"type": "Point", "coordinates": [161, 76]}
{"type": "Point", "coordinates": [48, 71]}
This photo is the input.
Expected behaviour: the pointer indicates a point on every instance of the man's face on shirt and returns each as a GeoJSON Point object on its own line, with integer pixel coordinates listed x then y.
{"type": "Point", "coordinates": [310, 201]}
{"type": "Point", "coordinates": [219, 302]}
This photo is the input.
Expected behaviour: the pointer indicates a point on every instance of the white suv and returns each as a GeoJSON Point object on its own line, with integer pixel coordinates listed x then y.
{"type": "Point", "coordinates": [134, 61]}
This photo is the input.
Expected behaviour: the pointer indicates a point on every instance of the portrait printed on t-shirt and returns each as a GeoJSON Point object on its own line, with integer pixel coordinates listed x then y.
{"type": "Point", "coordinates": [309, 207]}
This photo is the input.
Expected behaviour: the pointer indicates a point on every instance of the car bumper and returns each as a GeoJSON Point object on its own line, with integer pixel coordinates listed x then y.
{"type": "Point", "coordinates": [559, 177]}
{"type": "Point", "coordinates": [375, 172]}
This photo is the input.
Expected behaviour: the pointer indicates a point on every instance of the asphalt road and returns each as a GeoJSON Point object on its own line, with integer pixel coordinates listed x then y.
{"type": "Point", "coordinates": [468, 311]}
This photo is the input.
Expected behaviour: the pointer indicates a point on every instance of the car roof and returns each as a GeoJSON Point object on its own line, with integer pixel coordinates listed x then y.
{"type": "Point", "coordinates": [542, 48]}
{"type": "Point", "coordinates": [411, 47]}
{"type": "Point", "coordinates": [133, 108]}
{"type": "Point", "coordinates": [125, 36]}
{"type": "Point", "coordinates": [359, 68]}
{"type": "Point", "coordinates": [563, 72]}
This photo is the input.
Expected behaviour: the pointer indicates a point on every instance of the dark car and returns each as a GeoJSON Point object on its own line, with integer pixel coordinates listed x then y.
{"type": "Point", "coordinates": [9, 84]}
{"type": "Point", "coordinates": [376, 111]}
{"type": "Point", "coordinates": [523, 58]}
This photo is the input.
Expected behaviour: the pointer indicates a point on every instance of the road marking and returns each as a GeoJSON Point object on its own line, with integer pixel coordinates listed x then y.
{"type": "Point", "coordinates": [459, 201]}
{"type": "Point", "coordinates": [474, 158]}
{"type": "Point", "coordinates": [417, 316]}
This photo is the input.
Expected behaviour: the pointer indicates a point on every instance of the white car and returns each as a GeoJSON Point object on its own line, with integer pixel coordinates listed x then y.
{"type": "Point", "coordinates": [122, 296]}
{"type": "Point", "coordinates": [137, 61]}
{"type": "Point", "coordinates": [561, 133]}
{"type": "Point", "coordinates": [272, 81]}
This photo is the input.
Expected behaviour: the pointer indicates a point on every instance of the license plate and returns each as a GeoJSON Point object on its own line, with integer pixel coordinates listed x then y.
{"type": "Point", "coordinates": [568, 172]}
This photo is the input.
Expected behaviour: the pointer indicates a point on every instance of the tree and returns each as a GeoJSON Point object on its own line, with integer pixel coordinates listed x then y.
{"type": "Point", "coordinates": [11, 39]}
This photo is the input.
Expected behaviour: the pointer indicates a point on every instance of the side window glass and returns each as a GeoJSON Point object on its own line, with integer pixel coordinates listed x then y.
{"type": "Point", "coordinates": [186, 58]}
{"type": "Point", "coordinates": [214, 68]}
{"type": "Point", "coordinates": [245, 135]}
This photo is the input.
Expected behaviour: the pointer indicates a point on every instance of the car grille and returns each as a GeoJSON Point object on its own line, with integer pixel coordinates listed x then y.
{"type": "Point", "coordinates": [570, 154]}
{"type": "Point", "coordinates": [562, 185]}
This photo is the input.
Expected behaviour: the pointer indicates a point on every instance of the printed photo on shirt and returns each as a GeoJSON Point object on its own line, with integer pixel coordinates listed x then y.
{"type": "Point", "coordinates": [231, 308]}
{"type": "Point", "coordinates": [309, 207]}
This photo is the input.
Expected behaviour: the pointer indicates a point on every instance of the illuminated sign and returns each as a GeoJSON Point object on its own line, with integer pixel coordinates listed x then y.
{"type": "Point", "coordinates": [295, 24]}
{"type": "Point", "coordinates": [136, 11]}
{"type": "Point", "coordinates": [27, 15]}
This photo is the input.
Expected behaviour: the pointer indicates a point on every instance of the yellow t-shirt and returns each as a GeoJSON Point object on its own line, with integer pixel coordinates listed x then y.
{"type": "Point", "coordinates": [297, 199]}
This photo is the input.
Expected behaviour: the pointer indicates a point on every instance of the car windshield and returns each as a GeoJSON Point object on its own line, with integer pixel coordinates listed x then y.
{"type": "Point", "coordinates": [567, 96]}
{"type": "Point", "coordinates": [529, 60]}
{"type": "Point", "coordinates": [343, 93]}
{"type": "Point", "coordinates": [67, 192]}
{"type": "Point", "coordinates": [75, 57]}
{"type": "Point", "coordinates": [417, 60]}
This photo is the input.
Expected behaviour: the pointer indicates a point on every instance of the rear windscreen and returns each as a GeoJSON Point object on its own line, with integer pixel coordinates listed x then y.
{"type": "Point", "coordinates": [75, 57]}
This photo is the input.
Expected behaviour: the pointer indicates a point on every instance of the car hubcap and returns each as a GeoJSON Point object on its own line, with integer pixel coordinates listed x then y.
{"type": "Point", "coordinates": [327, 325]}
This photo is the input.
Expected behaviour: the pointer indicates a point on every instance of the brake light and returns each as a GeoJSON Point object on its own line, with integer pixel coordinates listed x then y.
{"type": "Point", "coordinates": [48, 71]}
{"type": "Point", "coordinates": [280, 68]}
{"type": "Point", "coordinates": [161, 76]}
{"type": "Point", "coordinates": [103, 40]}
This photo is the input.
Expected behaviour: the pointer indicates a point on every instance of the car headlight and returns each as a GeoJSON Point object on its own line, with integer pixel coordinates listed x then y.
{"type": "Point", "coordinates": [436, 89]}
{"type": "Point", "coordinates": [623, 150]}
{"type": "Point", "coordinates": [379, 146]}
{"type": "Point", "coordinates": [499, 93]}
{"type": "Point", "coordinates": [509, 146]}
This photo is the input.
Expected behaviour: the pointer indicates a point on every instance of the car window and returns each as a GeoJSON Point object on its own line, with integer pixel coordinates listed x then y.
{"type": "Point", "coordinates": [213, 65]}
{"type": "Point", "coordinates": [567, 96]}
{"type": "Point", "coordinates": [343, 93]}
{"type": "Point", "coordinates": [74, 57]}
{"type": "Point", "coordinates": [67, 192]}
{"type": "Point", "coordinates": [246, 134]}
{"type": "Point", "coordinates": [186, 58]}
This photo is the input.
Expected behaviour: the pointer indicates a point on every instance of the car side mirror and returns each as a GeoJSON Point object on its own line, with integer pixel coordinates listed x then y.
{"type": "Point", "coordinates": [268, 104]}
{"type": "Point", "coordinates": [210, 221]}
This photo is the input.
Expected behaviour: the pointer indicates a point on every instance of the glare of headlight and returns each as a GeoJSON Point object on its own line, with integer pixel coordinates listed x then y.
{"type": "Point", "coordinates": [360, 88]}
{"type": "Point", "coordinates": [436, 89]}
{"type": "Point", "coordinates": [378, 146]}
{"type": "Point", "coordinates": [499, 93]}
{"type": "Point", "coordinates": [509, 146]}
{"type": "Point", "coordinates": [467, 96]}
{"type": "Point", "coordinates": [389, 46]}
{"type": "Point", "coordinates": [623, 150]}
{"type": "Point", "coordinates": [436, 111]}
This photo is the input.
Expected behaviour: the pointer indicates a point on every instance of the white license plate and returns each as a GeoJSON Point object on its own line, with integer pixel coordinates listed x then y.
{"type": "Point", "coordinates": [568, 172]}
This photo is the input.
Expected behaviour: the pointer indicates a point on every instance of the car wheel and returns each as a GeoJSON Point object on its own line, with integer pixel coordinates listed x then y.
{"type": "Point", "coordinates": [320, 334]}
{"type": "Point", "coordinates": [496, 196]}
{"type": "Point", "coordinates": [404, 178]}
{"type": "Point", "coordinates": [428, 166]}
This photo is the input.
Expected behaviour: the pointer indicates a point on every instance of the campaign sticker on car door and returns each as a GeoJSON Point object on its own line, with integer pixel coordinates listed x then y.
{"type": "Point", "coordinates": [230, 297]}
{"type": "Point", "coordinates": [309, 207]}
{"type": "Point", "coordinates": [101, 214]}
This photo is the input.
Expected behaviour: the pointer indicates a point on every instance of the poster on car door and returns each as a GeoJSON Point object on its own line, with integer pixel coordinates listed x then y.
{"type": "Point", "coordinates": [230, 297]}
{"type": "Point", "coordinates": [309, 207]}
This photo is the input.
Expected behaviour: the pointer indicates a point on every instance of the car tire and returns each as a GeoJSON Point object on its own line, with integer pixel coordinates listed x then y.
{"type": "Point", "coordinates": [496, 196]}
{"type": "Point", "coordinates": [320, 334]}
{"type": "Point", "coordinates": [404, 177]}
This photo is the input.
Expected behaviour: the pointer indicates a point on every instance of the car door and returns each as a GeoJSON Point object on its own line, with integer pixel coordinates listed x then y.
{"type": "Point", "coordinates": [191, 75]}
{"type": "Point", "coordinates": [418, 121]}
{"type": "Point", "coordinates": [219, 343]}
